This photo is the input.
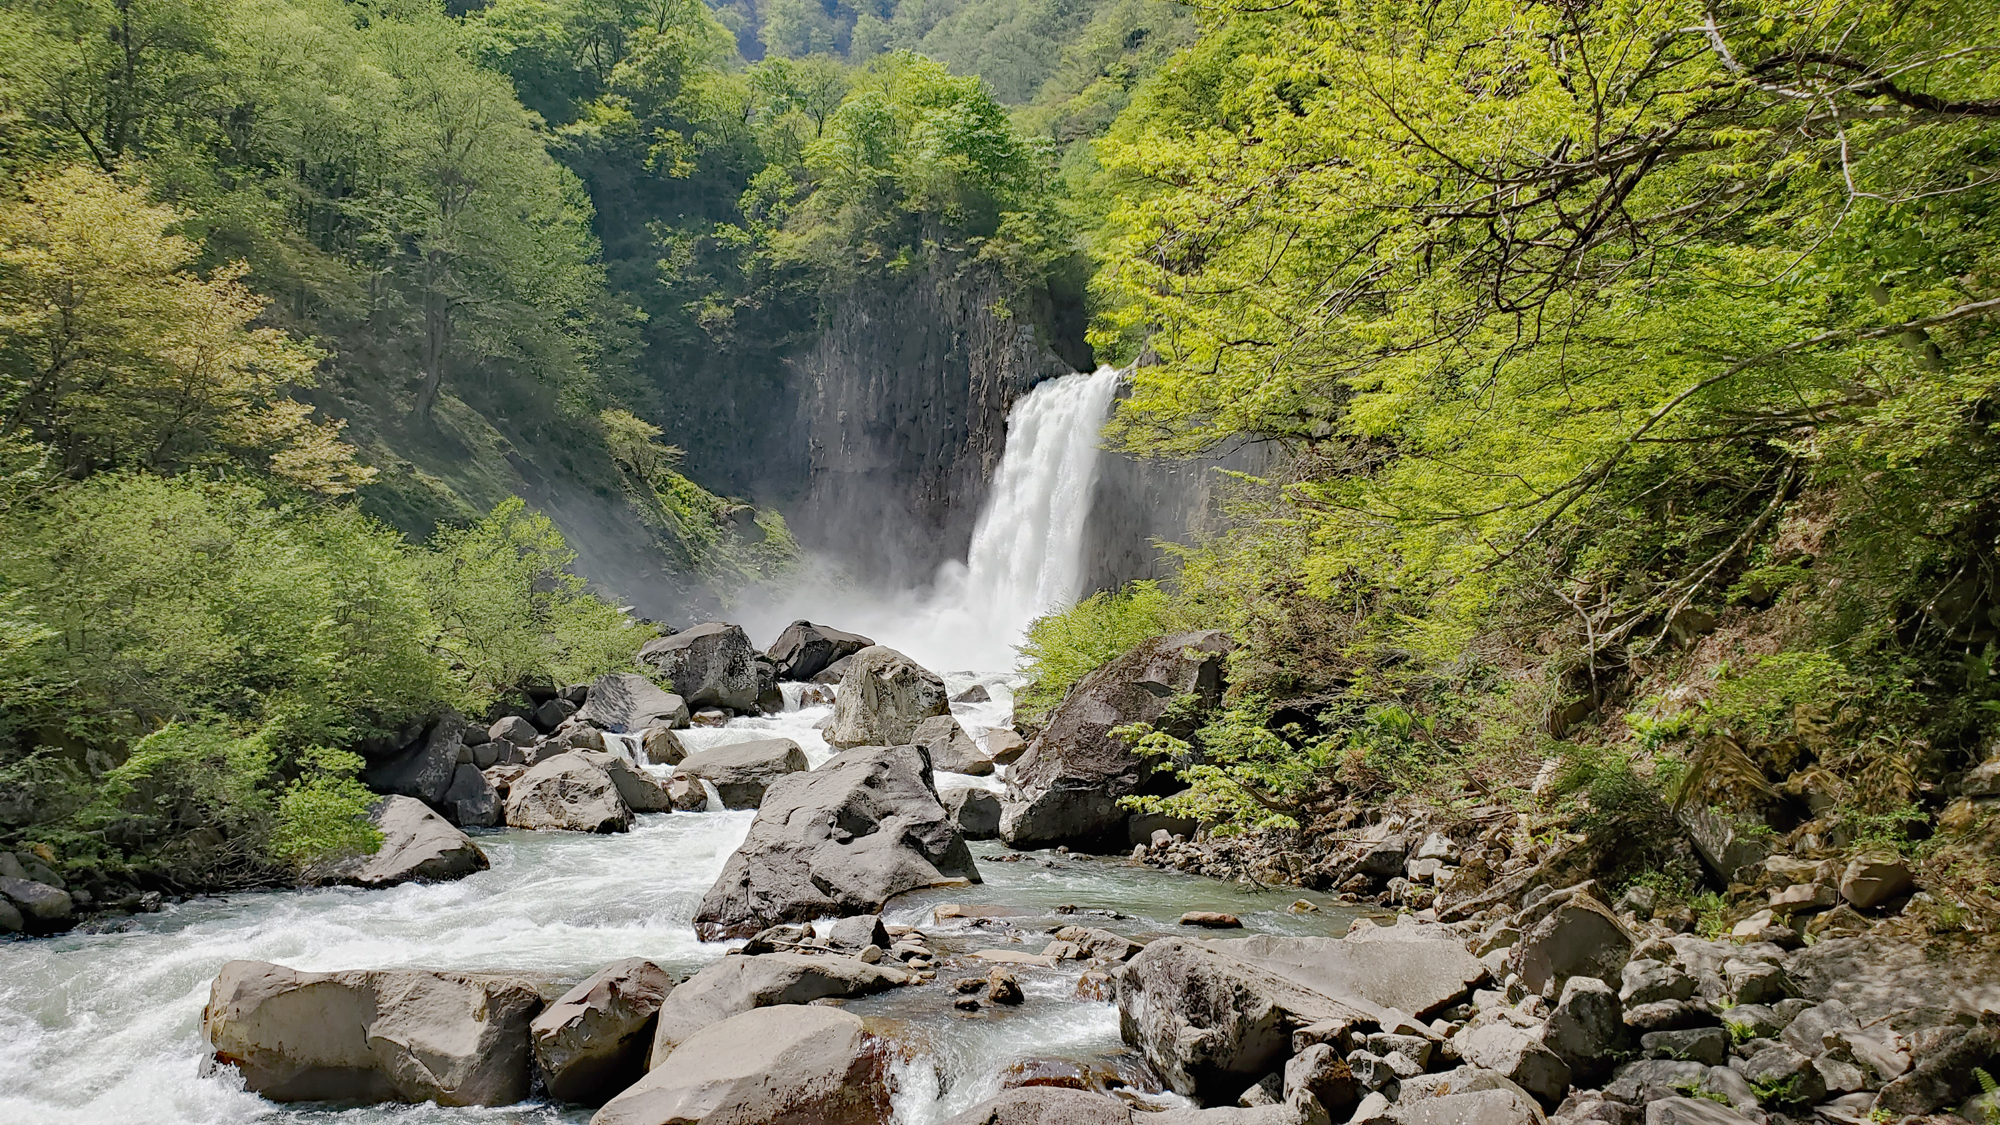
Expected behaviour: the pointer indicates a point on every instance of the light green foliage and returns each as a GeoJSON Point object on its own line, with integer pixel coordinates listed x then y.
{"type": "Point", "coordinates": [323, 814]}
{"type": "Point", "coordinates": [734, 544]}
{"type": "Point", "coordinates": [1063, 647]}
{"type": "Point", "coordinates": [1239, 772]}
{"type": "Point", "coordinates": [509, 610]}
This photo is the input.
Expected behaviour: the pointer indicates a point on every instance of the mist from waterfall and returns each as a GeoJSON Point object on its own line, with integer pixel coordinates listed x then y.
{"type": "Point", "coordinates": [1026, 556]}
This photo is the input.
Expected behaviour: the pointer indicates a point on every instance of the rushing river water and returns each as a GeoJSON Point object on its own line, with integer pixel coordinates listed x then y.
{"type": "Point", "coordinates": [104, 1028]}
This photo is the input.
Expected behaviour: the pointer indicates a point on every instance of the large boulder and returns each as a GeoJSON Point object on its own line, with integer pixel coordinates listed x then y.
{"type": "Point", "coordinates": [977, 812]}
{"type": "Point", "coordinates": [710, 665]}
{"type": "Point", "coordinates": [950, 748]}
{"type": "Point", "coordinates": [568, 793]}
{"type": "Point", "coordinates": [638, 788]}
{"type": "Point", "coordinates": [425, 768]}
{"type": "Point", "coordinates": [1580, 938]}
{"type": "Point", "coordinates": [804, 649]}
{"type": "Point", "coordinates": [1910, 983]}
{"type": "Point", "coordinates": [374, 1035]}
{"type": "Point", "coordinates": [41, 908]}
{"type": "Point", "coordinates": [1211, 1023]}
{"type": "Point", "coordinates": [838, 840]}
{"type": "Point", "coordinates": [471, 801]}
{"type": "Point", "coordinates": [738, 984]}
{"type": "Point", "coordinates": [1047, 1105]}
{"type": "Point", "coordinates": [418, 846]}
{"type": "Point", "coordinates": [593, 1041]}
{"type": "Point", "coordinates": [771, 1066]}
{"type": "Point", "coordinates": [1412, 968]}
{"type": "Point", "coordinates": [742, 771]}
{"type": "Point", "coordinates": [627, 703]}
{"type": "Point", "coordinates": [882, 698]}
{"type": "Point", "coordinates": [1065, 788]}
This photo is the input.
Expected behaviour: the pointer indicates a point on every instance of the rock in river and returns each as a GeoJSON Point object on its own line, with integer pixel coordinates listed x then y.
{"type": "Point", "coordinates": [742, 771]}
{"type": "Point", "coordinates": [841, 839]}
{"type": "Point", "coordinates": [374, 1035]}
{"type": "Point", "coordinates": [570, 793]}
{"type": "Point", "coordinates": [804, 649]}
{"type": "Point", "coordinates": [417, 846]}
{"type": "Point", "coordinates": [791, 1065]}
{"type": "Point", "coordinates": [710, 665]}
{"type": "Point", "coordinates": [883, 696]}
{"type": "Point", "coordinates": [1070, 779]}
{"type": "Point", "coordinates": [593, 1042]}
{"type": "Point", "coordinates": [627, 703]}
{"type": "Point", "coordinates": [950, 748]}
{"type": "Point", "coordinates": [737, 984]}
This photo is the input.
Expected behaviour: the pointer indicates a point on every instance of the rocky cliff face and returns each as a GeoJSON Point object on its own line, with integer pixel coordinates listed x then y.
{"type": "Point", "coordinates": [903, 403]}
{"type": "Point", "coordinates": [1140, 499]}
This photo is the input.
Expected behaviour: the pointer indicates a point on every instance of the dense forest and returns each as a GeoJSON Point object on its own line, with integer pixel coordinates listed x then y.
{"type": "Point", "coordinates": [1631, 366]}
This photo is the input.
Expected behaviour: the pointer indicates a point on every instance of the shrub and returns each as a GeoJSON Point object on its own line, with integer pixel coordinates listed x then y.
{"type": "Point", "coordinates": [1064, 647]}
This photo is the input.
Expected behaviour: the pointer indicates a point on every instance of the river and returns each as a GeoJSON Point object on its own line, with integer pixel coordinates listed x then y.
{"type": "Point", "coordinates": [104, 1028]}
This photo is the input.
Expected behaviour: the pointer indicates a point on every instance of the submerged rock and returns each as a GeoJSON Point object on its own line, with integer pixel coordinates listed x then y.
{"type": "Point", "coordinates": [626, 703]}
{"type": "Point", "coordinates": [804, 649]}
{"type": "Point", "coordinates": [418, 846]}
{"type": "Point", "coordinates": [568, 793]}
{"type": "Point", "coordinates": [710, 665]}
{"type": "Point", "coordinates": [742, 771]}
{"type": "Point", "coordinates": [1068, 783]}
{"type": "Point", "coordinates": [883, 697]}
{"type": "Point", "coordinates": [841, 839]}
{"type": "Point", "coordinates": [593, 1041]}
{"type": "Point", "coordinates": [783, 1066]}
{"type": "Point", "coordinates": [374, 1035]}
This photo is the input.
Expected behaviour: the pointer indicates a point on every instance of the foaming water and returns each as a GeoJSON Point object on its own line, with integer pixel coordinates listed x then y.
{"type": "Point", "coordinates": [1026, 557]}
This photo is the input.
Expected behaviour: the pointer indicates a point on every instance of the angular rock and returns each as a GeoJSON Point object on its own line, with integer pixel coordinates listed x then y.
{"type": "Point", "coordinates": [12, 921]}
{"type": "Point", "coordinates": [804, 649]}
{"type": "Point", "coordinates": [1004, 746]}
{"type": "Point", "coordinates": [1477, 1107]}
{"type": "Point", "coordinates": [515, 730]}
{"type": "Point", "coordinates": [1047, 1105]}
{"type": "Point", "coordinates": [950, 750]}
{"type": "Point", "coordinates": [1520, 1056]}
{"type": "Point", "coordinates": [418, 846]}
{"type": "Point", "coordinates": [1099, 945]}
{"type": "Point", "coordinates": [977, 812]}
{"type": "Point", "coordinates": [883, 697]}
{"type": "Point", "coordinates": [374, 1035]}
{"type": "Point", "coordinates": [739, 984]}
{"type": "Point", "coordinates": [841, 839]}
{"type": "Point", "coordinates": [1320, 1072]}
{"type": "Point", "coordinates": [471, 801]}
{"type": "Point", "coordinates": [42, 908]}
{"type": "Point", "coordinates": [742, 771]}
{"type": "Point", "coordinates": [1873, 879]}
{"type": "Point", "coordinates": [687, 794]}
{"type": "Point", "coordinates": [1691, 1111]}
{"type": "Point", "coordinates": [1411, 968]}
{"type": "Point", "coordinates": [626, 703]}
{"type": "Point", "coordinates": [797, 1065]}
{"type": "Point", "coordinates": [593, 1041]}
{"type": "Point", "coordinates": [1068, 783]}
{"type": "Point", "coordinates": [1212, 1023]}
{"type": "Point", "coordinates": [710, 665]}
{"type": "Point", "coordinates": [1892, 977]}
{"type": "Point", "coordinates": [1727, 844]}
{"type": "Point", "coordinates": [1586, 1028]}
{"type": "Point", "coordinates": [639, 790]}
{"type": "Point", "coordinates": [1942, 1075]}
{"type": "Point", "coordinates": [423, 770]}
{"type": "Point", "coordinates": [567, 793]}
{"type": "Point", "coordinates": [662, 747]}
{"type": "Point", "coordinates": [553, 713]}
{"type": "Point", "coordinates": [1577, 939]}
{"type": "Point", "coordinates": [858, 932]}
{"type": "Point", "coordinates": [1778, 1067]}
{"type": "Point", "coordinates": [977, 693]}
{"type": "Point", "coordinates": [1756, 982]}
{"type": "Point", "coordinates": [1706, 1045]}
{"type": "Point", "coordinates": [1631, 1081]}
{"type": "Point", "coordinates": [1649, 982]}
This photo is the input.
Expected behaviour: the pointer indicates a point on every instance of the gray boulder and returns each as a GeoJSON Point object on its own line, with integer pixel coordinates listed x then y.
{"type": "Point", "coordinates": [1580, 938]}
{"type": "Point", "coordinates": [1692, 1111]}
{"type": "Point", "coordinates": [742, 771]}
{"type": "Point", "coordinates": [12, 921]}
{"type": "Point", "coordinates": [949, 747]}
{"type": "Point", "coordinates": [453, 1038]}
{"type": "Point", "coordinates": [425, 768]}
{"type": "Point", "coordinates": [796, 1065]}
{"type": "Point", "coordinates": [639, 790]}
{"type": "Point", "coordinates": [838, 840]}
{"type": "Point", "coordinates": [471, 801]}
{"type": "Point", "coordinates": [976, 811]}
{"type": "Point", "coordinates": [1727, 843]}
{"type": "Point", "coordinates": [1067, 785]}
{"type": "Point", "coordinates": [662, 747]}
{"type": "Point", "coordinates": [710, 665]}
{"type": "Point", "coordinates": [1587, 1027]}
{"type": "Point", "coordinates": [1474, 1107]}
{"type": "Point", "coordinates": [418, 846]}
{"type": "Point", "coordinates": [1211, 1023]}
{"type": "Point", "coordinates": [1874, 878]}
{"type": "Point", "coordinates": [1047, 1105]}
{"type": "Point", "coordinates": [567, 793]}
{"type": "Point", "coordinates": [626, 703]}
{"type": "Point", "coordinates": [882, 698]}
{"type": "Point", "coordinates": [738, 984]}
{"type": "Point", "coordinates": [1412, 968]}
{"type": "Point", "coordinates": [514, 730]}
{"type": "Point", "coordinates": [804, 649]}
{"type": "Point", "coordinates": [593, 1041]}
{"type": "Point", "coordinates": [1519, 1055]}
{"type": "Point", "coordinates": [40, 908]}
{"type": "Point", "coordinates": [832, 674]}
